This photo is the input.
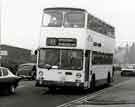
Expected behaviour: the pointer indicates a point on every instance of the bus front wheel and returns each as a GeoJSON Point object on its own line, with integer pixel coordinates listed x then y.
{"type": "Point", "coordinates": [52, 89]}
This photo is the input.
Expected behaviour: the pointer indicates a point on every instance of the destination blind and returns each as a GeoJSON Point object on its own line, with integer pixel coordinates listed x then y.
{"type": "Point", "coordinates": [66, 42]}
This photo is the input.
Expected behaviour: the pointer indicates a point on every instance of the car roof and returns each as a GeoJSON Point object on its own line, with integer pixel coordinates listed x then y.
{"type": "Point", "coordinates": [28, 64]}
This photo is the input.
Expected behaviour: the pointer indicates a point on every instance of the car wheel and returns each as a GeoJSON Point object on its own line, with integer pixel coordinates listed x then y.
{"type": "Point", "coordinates": [30, 79]}
{"type": "Point", "coordinates": [12, 89]}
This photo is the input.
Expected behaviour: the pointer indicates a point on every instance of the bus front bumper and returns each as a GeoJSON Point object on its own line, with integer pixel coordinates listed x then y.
{"type": "Point", "coordinates": [45, 83]}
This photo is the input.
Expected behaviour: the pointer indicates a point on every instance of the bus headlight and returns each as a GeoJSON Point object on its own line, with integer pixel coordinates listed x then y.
{"type": "Point", "coordinates": [41, 74]}
{"type": "Point", "coordinates": [78, 75]}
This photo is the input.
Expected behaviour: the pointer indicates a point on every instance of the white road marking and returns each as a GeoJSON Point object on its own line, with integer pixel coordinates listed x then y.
{"type": "Point", "coordinates": [91, 95]}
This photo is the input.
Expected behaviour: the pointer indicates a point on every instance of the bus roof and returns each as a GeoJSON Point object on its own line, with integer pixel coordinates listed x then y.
{"type": "Point", "coordinates": [65, 8]}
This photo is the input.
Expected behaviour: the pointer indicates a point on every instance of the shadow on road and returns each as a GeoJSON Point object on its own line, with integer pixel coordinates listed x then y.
{"type": "Point", "coordinates": [69, 91]}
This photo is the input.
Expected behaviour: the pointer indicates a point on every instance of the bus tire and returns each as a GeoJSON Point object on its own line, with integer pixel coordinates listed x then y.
{"type": "Point", "coordinates": [108, 78]}
{"type": "Point", "coordinates": [52, 89]}
{"type": "Point", "coordinates": [92, 83]}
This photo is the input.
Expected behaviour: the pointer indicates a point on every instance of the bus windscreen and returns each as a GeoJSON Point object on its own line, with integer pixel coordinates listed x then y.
{"type": "Point", "coordinates": [66, 59]}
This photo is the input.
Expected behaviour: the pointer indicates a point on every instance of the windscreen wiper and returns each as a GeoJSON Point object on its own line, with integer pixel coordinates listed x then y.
{"type": "Point", "coordinates": [48, 66]}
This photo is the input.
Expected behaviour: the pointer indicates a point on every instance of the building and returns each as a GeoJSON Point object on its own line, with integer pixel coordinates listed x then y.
{"type": "Point", "coordinates": [15, 56]}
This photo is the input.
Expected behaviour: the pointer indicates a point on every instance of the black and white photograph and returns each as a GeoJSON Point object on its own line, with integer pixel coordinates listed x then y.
{"type": "Point", "coordinates": [67, 53]}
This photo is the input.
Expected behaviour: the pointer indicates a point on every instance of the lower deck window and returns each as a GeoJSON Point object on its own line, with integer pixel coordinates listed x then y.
{"type": "Point", "coordinates": [101, 58]}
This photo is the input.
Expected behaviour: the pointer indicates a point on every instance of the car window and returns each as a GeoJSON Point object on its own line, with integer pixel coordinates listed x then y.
{"type": "Point", "coordinates": [5, 72]}
{"type": "Point", "coordinates": [26, 67]}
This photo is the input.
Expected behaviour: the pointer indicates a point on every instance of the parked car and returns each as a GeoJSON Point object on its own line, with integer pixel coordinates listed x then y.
{"type": "Point", "coordinates": [8, 81]}
{"type": "Point", "coordinates": [128, 70]}
{"type": "Point", "coordinates": [27, 71]}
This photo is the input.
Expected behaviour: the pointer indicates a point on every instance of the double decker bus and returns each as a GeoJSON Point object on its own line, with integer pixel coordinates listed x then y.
{"type": "Point", "coordinates": [75, 49]}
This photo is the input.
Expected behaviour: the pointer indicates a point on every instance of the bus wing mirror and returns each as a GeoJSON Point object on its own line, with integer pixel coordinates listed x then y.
{"type": "Point", "coordinates": [35, 52]}
{"type": "Point", "coordinates": [86, 54]}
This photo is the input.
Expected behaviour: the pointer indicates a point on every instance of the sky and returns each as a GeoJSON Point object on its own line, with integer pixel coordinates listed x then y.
{"type": "Point", "coordinates": [21, 19]}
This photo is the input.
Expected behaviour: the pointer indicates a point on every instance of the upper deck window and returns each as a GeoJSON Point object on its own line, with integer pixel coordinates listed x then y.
{"type": "Point", "coordinates": [99, 26]}
{"type": "Point", "coordinates": [74, 19]}
{"type": "Point", "coordinates": [52, 19]}
{"type": "Point", "coordinates": [65, 18]}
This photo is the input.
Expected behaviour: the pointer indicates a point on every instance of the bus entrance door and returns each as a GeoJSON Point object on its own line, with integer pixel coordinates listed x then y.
{"type": "Point", "coordinates": [87, 63]}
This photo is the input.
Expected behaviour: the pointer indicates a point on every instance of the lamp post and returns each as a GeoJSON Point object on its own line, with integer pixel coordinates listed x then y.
{"type": "Point", "coordinates": [127, 61]}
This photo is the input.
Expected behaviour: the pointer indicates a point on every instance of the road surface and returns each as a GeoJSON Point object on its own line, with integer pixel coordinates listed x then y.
{"type": "Point", "coordinates": [27, 95]}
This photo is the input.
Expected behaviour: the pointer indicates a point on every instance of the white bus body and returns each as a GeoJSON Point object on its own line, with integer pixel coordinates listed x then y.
{"type": "Point", "coordinates": [73, 56]}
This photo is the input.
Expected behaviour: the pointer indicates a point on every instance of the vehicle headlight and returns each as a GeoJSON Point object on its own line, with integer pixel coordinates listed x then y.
{"type": "Point", "coordinates": [78, 75]}
{"type": "Point", "coordinates": [41, 74]}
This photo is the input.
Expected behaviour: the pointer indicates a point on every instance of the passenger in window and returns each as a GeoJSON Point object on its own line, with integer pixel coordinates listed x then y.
{"type": "Point", "coordinates": [76, 62]}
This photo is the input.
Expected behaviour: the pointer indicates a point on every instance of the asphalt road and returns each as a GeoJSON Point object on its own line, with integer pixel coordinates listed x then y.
{"type": "Point", "coordinates": [120, 95]}
{"type": "Point", "coordinates": [27, 95]}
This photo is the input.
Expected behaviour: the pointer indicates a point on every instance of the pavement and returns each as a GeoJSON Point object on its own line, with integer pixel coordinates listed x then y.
{"type": "Point", "coordinates": [128, 105]}
{"type": "Point", "coordinates": [121, 95]}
